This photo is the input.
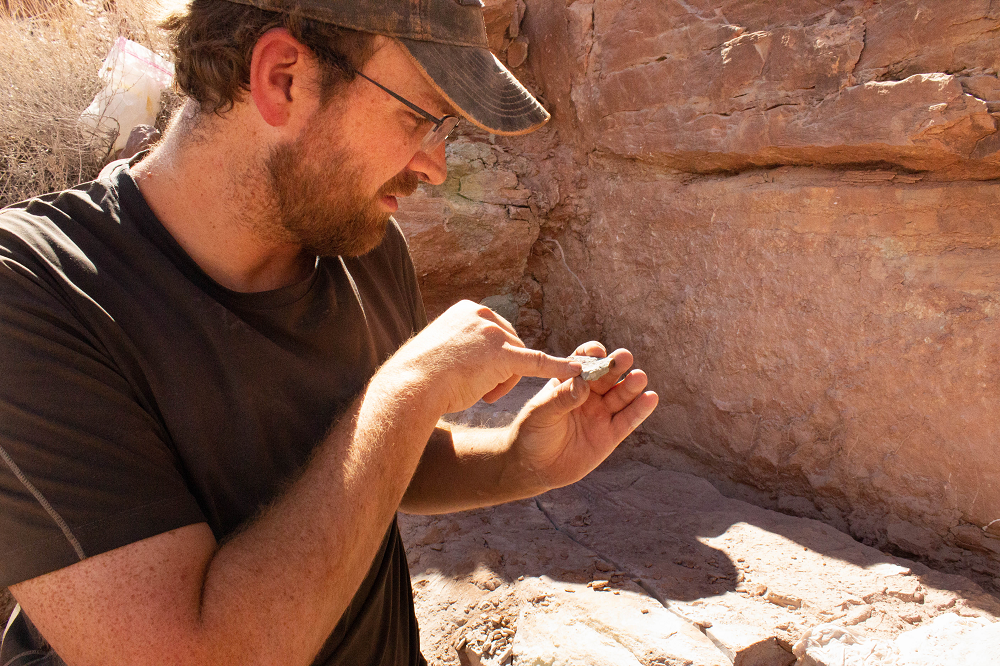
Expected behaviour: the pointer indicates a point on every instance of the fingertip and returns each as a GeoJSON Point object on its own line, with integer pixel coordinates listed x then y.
{"type": "Point", "coordinates": [630, 418]}
{"type": "Point", "coordinates": [623, 358]}
{"type": "Point", "coordinates": [539, 364]}
{"type": "Point", "coordinates": [641, 378]}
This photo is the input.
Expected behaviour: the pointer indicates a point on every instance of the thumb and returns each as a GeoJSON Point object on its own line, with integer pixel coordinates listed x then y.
{"type": "Point", "coordinates": [562, 399]}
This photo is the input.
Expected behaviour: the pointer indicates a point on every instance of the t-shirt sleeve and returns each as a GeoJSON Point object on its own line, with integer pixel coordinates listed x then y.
{"type": "Point", "coordinates": [84, 467]}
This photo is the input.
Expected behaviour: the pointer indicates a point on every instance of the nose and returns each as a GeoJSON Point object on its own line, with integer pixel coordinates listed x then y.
{"type": "Point", "coordinates": [430, 167]}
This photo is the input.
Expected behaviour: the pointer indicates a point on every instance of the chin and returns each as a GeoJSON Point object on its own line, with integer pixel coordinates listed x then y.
{"type": "Point", "coordinates": [356, 244]}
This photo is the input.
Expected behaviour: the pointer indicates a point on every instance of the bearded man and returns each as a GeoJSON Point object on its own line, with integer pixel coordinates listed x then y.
{"type": "Point", "coordinates": [218, 386]}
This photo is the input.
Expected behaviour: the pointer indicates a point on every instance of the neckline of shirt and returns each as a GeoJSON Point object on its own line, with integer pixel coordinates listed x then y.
{"type": "Point", "coordinates": [136, 207]}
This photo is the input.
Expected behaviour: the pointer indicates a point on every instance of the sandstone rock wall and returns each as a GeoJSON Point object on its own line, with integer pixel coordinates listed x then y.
{"type": "Point", "coordinates": [789, 212]}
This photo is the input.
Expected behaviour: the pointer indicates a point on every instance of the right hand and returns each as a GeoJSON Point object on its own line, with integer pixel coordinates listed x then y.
{"type": "Point", "coordinates": [471, 353]}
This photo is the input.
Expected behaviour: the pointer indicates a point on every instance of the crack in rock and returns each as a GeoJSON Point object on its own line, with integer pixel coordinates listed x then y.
{"type": "Point", "coordinates": [638, 580]}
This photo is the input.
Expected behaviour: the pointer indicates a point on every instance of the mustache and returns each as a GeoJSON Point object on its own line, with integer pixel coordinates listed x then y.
{"type": "Point", "coordinates": [402, 184]}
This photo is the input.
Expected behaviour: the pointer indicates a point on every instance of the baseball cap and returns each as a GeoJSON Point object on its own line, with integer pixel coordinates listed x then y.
{"type": "Point", "coordinates": [447, 41]}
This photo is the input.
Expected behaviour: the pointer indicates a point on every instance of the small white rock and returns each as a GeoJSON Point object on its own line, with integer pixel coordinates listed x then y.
{"type": "Point", "coordinates": [593, 367]}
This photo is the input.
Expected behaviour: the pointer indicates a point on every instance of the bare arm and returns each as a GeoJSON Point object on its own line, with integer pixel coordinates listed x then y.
{"type": "Point", "coordinates": [563, 433]}
{"type": "Point", "coordinates": [274, 592]}
{"type": "Point", "coordinates": [464, 468]}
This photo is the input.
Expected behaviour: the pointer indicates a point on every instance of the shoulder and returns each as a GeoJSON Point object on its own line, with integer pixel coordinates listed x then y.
{"type": "Point", "coordinates": [50, 225]}
{"type": "Point", "coordinates": [69, 255]}
{"type": "Point", "coordinates": [95, 197]}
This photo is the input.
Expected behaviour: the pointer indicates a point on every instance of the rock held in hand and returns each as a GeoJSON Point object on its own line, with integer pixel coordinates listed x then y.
{"type": "Point", "coordinates": [593, 367]}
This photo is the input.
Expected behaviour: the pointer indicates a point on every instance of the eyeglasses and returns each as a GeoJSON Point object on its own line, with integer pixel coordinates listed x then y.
{"type": "Point", "coordinates": [443, 126]}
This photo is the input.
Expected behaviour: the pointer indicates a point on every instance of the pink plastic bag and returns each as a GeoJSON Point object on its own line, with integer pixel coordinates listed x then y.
{"type": "Point", "coordinates": [134, 77]}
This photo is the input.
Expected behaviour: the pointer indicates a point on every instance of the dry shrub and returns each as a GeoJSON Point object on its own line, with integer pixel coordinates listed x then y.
{"type": "Point", "coordinates": [50, 52]}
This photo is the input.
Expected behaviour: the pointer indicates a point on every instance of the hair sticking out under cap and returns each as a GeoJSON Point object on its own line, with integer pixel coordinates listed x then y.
{"type": "Point", "coordinates": [213, 44]}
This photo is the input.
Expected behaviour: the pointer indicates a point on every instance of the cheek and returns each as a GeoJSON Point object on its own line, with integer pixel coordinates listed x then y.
{"type": "Point", "coordinates": [388, 167]}
{"type": "Point", "coordinates": [378, 151]}
{"type": "Point", "coordinates": [398, 147]}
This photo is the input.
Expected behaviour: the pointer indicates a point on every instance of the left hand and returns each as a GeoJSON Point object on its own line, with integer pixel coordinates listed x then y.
{"type": "Point", "coordinates": [570, 427]}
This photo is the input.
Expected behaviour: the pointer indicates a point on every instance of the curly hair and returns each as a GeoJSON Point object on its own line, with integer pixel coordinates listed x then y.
{"type": "Point", "coordinates": [213, 44]}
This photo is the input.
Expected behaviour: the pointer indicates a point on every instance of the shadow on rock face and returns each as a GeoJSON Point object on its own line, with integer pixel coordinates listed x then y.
{"type": "Point", "coordinates": [584, 532]}
{"type": "Point", "coordinates": [611, 513]}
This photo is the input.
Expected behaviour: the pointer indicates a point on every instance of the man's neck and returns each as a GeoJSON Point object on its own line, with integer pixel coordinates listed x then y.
{"type": "Point", "coordinates": [211, 194]}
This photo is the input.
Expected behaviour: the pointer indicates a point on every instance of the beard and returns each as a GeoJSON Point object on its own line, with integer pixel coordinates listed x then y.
{"type": "Point", "coordinates": [317, 187]}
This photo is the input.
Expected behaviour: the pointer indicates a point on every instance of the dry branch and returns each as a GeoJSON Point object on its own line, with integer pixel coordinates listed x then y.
{"type": "Point", "coordinates": [51, 52]}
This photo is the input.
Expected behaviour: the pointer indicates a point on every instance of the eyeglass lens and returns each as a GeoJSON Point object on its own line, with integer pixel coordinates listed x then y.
{"type": "Point", "coordinates": [438, 134]}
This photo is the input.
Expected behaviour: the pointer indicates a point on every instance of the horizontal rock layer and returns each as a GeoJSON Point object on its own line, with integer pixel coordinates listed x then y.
{"type": "Point", "coordinates": [712, 85]}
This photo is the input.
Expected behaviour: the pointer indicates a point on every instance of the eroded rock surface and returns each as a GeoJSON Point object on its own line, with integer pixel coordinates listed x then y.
{"type": "Point", "coordinates": [947, 639]}
{"type": "Point", "coordinates": [837, 344]}
{"type": "Point", "coordinates": [715, 85]}
{"type": "Point", "coordinates": [639, 565]}
{"type": "Point", "coordinates": [471, 237]}
{"type": "Point", "coordinates": [787, 212]}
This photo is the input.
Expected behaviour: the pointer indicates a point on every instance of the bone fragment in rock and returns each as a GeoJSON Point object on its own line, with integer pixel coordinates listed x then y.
{"type": "Point", "coordinates": [593, 367]}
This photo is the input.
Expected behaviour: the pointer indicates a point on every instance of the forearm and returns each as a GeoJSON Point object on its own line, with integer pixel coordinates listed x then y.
{"type": "Point", "coordinates": [273, 593]}
{"type": "Point", "coordinates": [466, 468]}
{"type": "Point", "coordinates": [308, 554]}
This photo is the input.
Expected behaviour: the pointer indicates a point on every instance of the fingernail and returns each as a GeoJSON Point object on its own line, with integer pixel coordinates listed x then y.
{"type": "Point", "coordinates": [574, 388]}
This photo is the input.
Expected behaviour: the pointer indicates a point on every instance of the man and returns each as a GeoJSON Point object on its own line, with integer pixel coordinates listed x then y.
{"type": "Point", "coordinates": [217, 386]}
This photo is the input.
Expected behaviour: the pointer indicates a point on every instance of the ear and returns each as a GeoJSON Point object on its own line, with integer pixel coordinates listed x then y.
{"type": "Point", "coordinates": [277, 65]}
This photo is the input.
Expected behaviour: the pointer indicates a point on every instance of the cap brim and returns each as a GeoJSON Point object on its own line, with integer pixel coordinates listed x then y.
{"type": "Point", "coordinates": [479, 86]}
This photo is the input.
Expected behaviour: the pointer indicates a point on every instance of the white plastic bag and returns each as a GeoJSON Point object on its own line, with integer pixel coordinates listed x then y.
{"type": "Point", "coordinates": [134, 77]}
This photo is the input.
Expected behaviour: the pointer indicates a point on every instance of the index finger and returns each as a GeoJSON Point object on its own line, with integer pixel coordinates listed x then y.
{"type": "Point", "coordinates": [535, 363]}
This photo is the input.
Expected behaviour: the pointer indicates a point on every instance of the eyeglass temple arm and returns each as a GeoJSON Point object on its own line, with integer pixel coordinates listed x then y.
{"type": "Point", "coordinates": [437, 121]}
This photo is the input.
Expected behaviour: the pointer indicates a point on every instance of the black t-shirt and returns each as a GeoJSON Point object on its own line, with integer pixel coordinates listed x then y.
{"type": "Point", "coordinates": [137, 395]}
